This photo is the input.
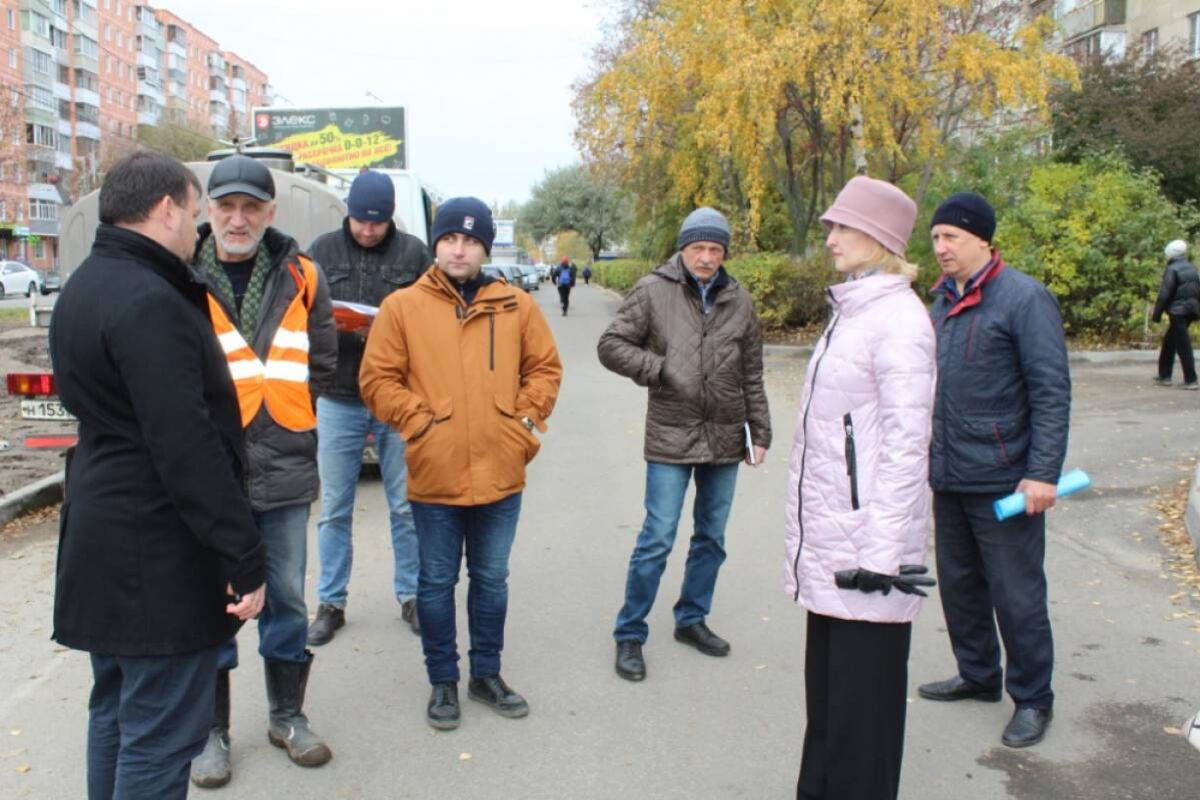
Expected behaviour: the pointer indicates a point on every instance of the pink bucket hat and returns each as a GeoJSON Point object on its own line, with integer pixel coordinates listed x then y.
{"type": "Point", "coordinates": [878, 209]}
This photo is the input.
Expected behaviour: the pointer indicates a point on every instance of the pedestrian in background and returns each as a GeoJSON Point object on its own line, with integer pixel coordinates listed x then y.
{"type": "Point", "coordinates": [365, 260]}
{"type": "Point", "coordinates": [587, 275]}
{"type": "Point", "coordinates": [159, 558]}
{"type": "Point", "coordinates": [465, 368]}
{"type": "Point", "coordinates": [1000, 422]}
{"type": "Point", "coordinates": [858, 507]}
{"type": "Point", "coordinates": [564, 278]}
{"type": "Point", "coordinates": [270, 308]}
{"type": "Point", "coordinates": [1179, 298]}
{"type": "Point", "coordinates": [690, 333]}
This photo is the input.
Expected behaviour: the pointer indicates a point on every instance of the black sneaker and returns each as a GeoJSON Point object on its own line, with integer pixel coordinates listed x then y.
{"type": "Point", "coordinates": [408, 613]}
{"type": "Point", "coordinates": [329, 619]}
{"type": "Point", "coordinates": [494, 692]}
{"type": "Point", "coordinates": [1190, 385]}
{"type": "Point", "coordinates": [704, 640]}
{"type": "Point", "coordinates": [1161, 381]}
{"type": "Point", "coordinates": [442, 710]}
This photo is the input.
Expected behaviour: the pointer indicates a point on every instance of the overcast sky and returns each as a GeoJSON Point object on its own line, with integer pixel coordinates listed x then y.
{"type": "Point", "coordinates": [485, 84]}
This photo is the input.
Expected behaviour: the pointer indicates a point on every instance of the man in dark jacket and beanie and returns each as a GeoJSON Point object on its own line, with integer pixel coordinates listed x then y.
{"type": "Point", "coordinates": [364, 261]}
{"type": "Point", "coordinates": [690, 333]}
{"type": "Point", "coordinates": [1179, 297]}
{"type": "Point", "coordinates": [1000, 420]}
{"type": "Point", "coordinates": [159, 557]}
{"type": "Point", "coordinates": [270, 308]}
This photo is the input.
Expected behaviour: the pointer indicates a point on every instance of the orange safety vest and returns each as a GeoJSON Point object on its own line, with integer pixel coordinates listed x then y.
{"type": "Point", "coordinates": [282, 382]}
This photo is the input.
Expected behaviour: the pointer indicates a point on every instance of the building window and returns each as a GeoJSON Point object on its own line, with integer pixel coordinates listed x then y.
{"type": "Point", "coordinates": [12, 20]}
{"type": "Point", "coordinates": [42, 62]}
{"type": "Point", "coordinates": [39, 248]}
{"type": "Point", "coordinates": [12, 57]}
{"type": "Point", "coordinates": [1149, 42]}
{"type": "Point", "coordinates": [4, 209]}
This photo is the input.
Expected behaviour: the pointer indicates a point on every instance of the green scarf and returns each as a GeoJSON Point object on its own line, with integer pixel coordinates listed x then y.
{"type": "Point", "coordinates": [245, 318]}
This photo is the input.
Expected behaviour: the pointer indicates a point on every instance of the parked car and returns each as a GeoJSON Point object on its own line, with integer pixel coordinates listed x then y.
{"type": "Point", "coordinates": [16, 278]}
{"type": "Point", "coordinates": [543, 271]}
{"type": "Point", "coordinates": [530, 280]}
{"type": "Point", "coordinates": [494, 271]}
{"type": "Point", "coordinates": [51, 282]}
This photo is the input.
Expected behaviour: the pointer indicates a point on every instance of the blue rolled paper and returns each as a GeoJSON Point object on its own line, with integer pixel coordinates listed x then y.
{"type": "Point", "coordinates": [1014, 504]}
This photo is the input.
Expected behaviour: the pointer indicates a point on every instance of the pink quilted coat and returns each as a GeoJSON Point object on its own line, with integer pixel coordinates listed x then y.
{"type": "Point", "coordinates": [859, 494]}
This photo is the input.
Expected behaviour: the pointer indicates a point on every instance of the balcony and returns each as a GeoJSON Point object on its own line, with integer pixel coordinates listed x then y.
{"type": "Point", "coordinates": [177, 49]}
{"type": "Point", "coordinates": [44, 227]}
{"type": "Point", "coordinates": [147, 89]}
{"type": "Point", "coordinates": [148, 117]}
{"type": "Point", "coordinates": [147, 60]}
{"type": "Point", "coordinates": [39, 156]}
{"type": "Point", "coordinates": [87, 130]}
{"type": "Point", "coordinates": [218, 97]}
{"type": "Point", "coordinates": [43, 191]}
{"type": "Point", "coordinates": [62, 160]}
{"type": "Point", "coordinates": [87, 96]}
{"type": "Point", "coordinates": [1094, 14]}
{"type": "Point", "coordinates": [238, 84]}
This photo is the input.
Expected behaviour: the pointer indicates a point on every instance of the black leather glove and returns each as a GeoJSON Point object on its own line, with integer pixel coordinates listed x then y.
{"type": "Point", "coordinates": [909, 581]}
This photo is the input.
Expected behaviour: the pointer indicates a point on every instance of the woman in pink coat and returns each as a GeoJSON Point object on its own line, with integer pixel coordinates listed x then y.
{"type": "Point", "coordinates": [858, 508]}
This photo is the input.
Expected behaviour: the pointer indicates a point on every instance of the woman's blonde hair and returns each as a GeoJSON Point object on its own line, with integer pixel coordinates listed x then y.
{"type": "Point", "coordinates": [891, 263]}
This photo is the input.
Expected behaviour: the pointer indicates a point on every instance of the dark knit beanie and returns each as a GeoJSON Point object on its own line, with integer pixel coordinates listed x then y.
{"type": "Point", "coordinates": [704, 225]}
{"type": "Point", "coordinates": [968, 211]}
{"type": "Point", "coordinates": [466, 215]}
{"type": "Point", "coordinates": [372, 197]}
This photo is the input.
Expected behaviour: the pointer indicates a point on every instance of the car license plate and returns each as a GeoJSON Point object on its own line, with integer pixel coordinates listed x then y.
{"type": "Point", "coordinates": [44, 409]}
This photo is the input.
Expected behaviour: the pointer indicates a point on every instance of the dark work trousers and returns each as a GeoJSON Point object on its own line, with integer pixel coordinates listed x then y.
{"type": "Point", "coordinates": [148, 718]}
{"type": "Point", "coordinates": [1177, 342]}
{"type": "Point", "coordinates": [993, 572]}
{"type": "Point", "coordinates": [855, 684]}
{"type": "Point", "coordinates": [564, 297]}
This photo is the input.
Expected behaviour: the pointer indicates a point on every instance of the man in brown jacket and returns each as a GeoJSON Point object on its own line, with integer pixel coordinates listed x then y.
{"type": "Point", "coordinates": [465, 368]}
{"type": "Point", "coordinates": [690, 333]}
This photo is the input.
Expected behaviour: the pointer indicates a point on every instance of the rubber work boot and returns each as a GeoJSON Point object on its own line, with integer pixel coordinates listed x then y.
{"type": "Point", "coordinates": [286, 684]}
{"type": "Point", "coordinates": [211, 769]}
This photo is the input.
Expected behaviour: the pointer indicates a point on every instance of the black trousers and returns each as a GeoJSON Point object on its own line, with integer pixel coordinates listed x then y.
{"type": "Point", "coordinates": [855, 682]}
{"type": "Point", "coordinates": [993, 572]}
{"type": "Point", "coordinates": [564, 296]}
{"type": "Point", "coordinates": [1177, 342]}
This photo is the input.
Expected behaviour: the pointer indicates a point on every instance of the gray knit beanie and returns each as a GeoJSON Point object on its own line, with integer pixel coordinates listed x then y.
{"type": "Point", "coordinates": [704, 225]}
{"type": "Point", "coordinates": [1176, 249]}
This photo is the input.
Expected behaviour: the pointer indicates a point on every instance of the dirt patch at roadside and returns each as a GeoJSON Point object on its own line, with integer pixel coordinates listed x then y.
{"type": "Point", "coordinates": [24, 349]}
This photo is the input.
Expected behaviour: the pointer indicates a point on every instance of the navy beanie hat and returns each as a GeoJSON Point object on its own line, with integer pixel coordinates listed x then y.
{"type": "Point", "coordinates": [372, 197]}
{"type": "Point", "coordinates": [466, 215]}
{"type": "Point", "coordinates": [968, 211]}
{"type": "Point", "coordinates": [704, 225]}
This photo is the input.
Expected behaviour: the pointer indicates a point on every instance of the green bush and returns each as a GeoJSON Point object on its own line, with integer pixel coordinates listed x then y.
{"type": "Point", "coordinates": [620, 274]}
{"type": "Point", "coordinates": [1093, 232]}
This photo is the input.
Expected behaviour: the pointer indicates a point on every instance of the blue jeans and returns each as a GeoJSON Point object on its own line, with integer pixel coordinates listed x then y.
{"type": "Point", "coordinates": [148, 717]}
{"type": "Point", "coordinates": [283, 623]}
{"type": "Point", "coordinates": [342, 428]}
{"type": "Point", "coordinates": [486, 533]}
{"type": "Point", "coordinates": [666, 485]}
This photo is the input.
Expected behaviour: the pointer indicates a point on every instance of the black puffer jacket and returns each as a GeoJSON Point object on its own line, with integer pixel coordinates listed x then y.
{"type": "Point", "coordinates": [283, 464]}
{"type": "Point", "coordinates": [364, 275]}
{"type": "Point", "coordinates": [1179, 295]}
{"type": "Point", "coordinates": [704, 371]}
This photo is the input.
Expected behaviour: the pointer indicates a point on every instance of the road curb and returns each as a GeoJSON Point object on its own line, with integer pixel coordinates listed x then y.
{"type": "Point", "coordinates": [39, 494]}
{"type": "Point", "coordinates": [1192, 518]}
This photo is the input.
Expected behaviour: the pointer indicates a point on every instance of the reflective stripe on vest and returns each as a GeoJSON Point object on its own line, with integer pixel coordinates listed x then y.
{"type": "Point", "coordinates": [281, 382]}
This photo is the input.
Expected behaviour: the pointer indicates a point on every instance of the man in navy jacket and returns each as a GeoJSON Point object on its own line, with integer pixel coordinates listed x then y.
{"type": "Point", "coordinates": [1000, 424]}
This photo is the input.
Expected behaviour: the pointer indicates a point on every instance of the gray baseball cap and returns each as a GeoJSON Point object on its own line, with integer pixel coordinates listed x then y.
{"type": "Point", "coordinates": [241, 175]}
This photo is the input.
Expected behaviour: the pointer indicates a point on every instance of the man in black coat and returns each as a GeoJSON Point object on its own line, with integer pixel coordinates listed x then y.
{"type": "Point", "coordinates": [365, 260]}
{"type": "Point", "coordinates": [1000, 421]}
{"type": "Point", "coordinates": [1179, 298]}
{"type": "Point", "coordinates": [159, 558]}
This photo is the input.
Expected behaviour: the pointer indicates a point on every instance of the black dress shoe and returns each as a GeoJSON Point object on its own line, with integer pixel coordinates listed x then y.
{"type": "Point", "coordinates": [443, 706]}
{"type": "Point", "coordinates": [408, 613]}
{"type": "Point", "coordinates": [704, 640]}
{"type": "Point", "coordinates": [329, 619]}
{"type": "Point", "coordinates": [957, 688]}
{"type": "Point", "coordinates": [1027, 726]}
{"type": "Point", "coordinates": [630, 664]}
{"type": "Point", "coordinates": [493, 691]}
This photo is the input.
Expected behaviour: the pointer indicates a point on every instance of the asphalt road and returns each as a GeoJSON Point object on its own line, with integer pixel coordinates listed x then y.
{"type": "Point", "coordinates": [21, 301]}
{"type": "Point", "coordinates": [698, 727]}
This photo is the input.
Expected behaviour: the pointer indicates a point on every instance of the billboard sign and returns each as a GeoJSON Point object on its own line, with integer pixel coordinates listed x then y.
{"type": "Point", "coordinates": [336, 138]}
{"type": "Point", "coordinates": [504, 233]}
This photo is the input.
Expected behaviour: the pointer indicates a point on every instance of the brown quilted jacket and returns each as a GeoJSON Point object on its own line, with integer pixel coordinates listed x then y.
{"type": "Point", "coordinates": [704, 371]}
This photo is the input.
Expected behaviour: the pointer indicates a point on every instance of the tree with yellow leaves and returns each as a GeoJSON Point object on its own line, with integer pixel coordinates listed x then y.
{"type": "Point", "coordinates": [729, 101]}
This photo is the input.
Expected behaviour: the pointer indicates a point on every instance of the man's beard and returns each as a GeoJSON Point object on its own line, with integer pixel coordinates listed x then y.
{"type": "Point", "coordinates": [239, 249]}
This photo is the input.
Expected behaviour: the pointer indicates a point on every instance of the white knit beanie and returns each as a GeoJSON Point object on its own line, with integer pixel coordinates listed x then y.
{"type": "Point", "coordinates": [1176, 249]}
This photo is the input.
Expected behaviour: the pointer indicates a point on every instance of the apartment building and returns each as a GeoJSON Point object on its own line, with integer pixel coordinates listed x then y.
{"type": "Point", "coordinates": [77, 78]}
{"type": "Point", "coordinates": [1108, 28]}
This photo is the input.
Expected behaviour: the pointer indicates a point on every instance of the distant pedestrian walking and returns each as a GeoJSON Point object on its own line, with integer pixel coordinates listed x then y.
{"type": "Point", "coordinates": [1179, 298]}
{"type": "Point", "coordinates": [564, 279]}
{"type": "Point", "coordinates": [587, 276]}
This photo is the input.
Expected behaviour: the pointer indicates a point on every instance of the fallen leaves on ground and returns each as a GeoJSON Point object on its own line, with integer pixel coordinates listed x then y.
{"type": "Point", "coordinates": [1180, 558]}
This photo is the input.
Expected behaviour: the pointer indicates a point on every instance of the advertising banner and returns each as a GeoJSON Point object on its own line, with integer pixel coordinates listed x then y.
{"type": "Point", "coordinates": [336, 138]}
{"type": "Point", "coordinates": [504, 233]}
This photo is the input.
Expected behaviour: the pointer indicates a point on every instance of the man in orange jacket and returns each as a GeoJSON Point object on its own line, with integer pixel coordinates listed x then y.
{"type": "Point", "coordinates": [464, 366]}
